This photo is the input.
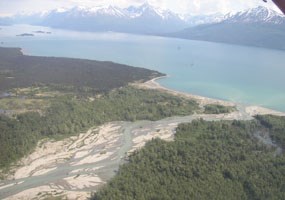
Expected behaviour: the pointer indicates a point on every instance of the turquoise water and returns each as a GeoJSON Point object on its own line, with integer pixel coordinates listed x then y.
{"type": "Point", "coordinates": [237, 73]}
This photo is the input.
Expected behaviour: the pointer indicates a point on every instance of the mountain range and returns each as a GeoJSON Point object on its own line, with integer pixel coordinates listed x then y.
{"type": "Point", "coordinates": [259, 26]}
{"type": "Point", "coordinates": [144, 19]}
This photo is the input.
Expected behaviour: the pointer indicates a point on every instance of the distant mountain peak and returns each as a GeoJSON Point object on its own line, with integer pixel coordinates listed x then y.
{"type": "Point", "coordinates": [259, 14]}
{"type": "Point", "coordinates": [112, 10]}
{"type": "Point", "coordinates": [194, 20]}
{"type": "Point", "coordinates": [146, 5]}
{"type": "Point", "coordinates": [83, 11]}
{"type": "Point", "coordinates": [147, 9]}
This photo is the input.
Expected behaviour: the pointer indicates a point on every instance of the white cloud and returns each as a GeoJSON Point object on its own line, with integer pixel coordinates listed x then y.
{"type": "Point", "coordinates": [180, 6]}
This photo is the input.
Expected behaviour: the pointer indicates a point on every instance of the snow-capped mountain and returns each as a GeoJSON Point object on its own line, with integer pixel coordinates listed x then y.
{"type": "Point", "coordinates": [148, 10]}
{"type": "Point", "coordinates": [141, 19]}
{"type": "Point", "coordinates": [259, 27]}
{"type": "Point", "coordinates": [256, 15]}
{"type": "Point", "coordinates": [81, 11]}
{"type": "Point", "coordinates": [145, 14]}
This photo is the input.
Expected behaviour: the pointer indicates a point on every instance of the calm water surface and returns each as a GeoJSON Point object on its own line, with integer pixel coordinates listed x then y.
{"type": "Point", "coordinates": [242, 74]}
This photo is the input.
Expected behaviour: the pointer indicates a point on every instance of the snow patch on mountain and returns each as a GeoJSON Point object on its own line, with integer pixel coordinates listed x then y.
{"type": "Point", "coordinates": [257, 15]}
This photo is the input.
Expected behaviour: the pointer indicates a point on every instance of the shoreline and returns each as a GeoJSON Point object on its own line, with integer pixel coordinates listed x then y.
{"type": "Point", "coordinates": [202, 100]}
{"type": "Point", "coordinates": [252, 110]}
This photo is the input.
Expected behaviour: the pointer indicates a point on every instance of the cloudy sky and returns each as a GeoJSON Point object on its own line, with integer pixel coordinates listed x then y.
{"type": "Point", "coordinates": [8, 7]}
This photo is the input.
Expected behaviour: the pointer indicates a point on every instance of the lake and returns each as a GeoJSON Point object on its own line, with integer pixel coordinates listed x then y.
{"type": "Point", "coordinates": [247, 75]}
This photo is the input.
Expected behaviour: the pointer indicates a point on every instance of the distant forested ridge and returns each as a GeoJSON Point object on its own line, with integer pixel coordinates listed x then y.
{"type": "Point", "coordinates": [257, 35]}
{"type": "Point", "coordinates": [20, 71]}
{"type": "Point", "coordinates": [207, 160]}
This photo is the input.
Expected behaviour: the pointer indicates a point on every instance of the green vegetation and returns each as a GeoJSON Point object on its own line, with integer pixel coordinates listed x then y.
{"type": "Point", "coordinates": [32, 99]}
{"type": "Point", "coordinates": [207, 160]}
{"type": "Point", "coordinates": [218, 109]}
{"type": "Point", "coordinates": [69, 114]}
{"type": "Point", "coordinates": [276, 128]}
{"type": "Point", "coordinates": [20, 71]}
{"type": "Point", "coordinates": [22, 104]}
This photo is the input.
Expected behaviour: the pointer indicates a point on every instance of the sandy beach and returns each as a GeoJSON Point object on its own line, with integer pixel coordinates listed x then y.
{"type": "Point", "coordinates": [251, 110]}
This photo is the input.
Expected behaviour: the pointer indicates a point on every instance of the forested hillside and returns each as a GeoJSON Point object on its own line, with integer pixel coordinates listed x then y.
{"type": "Point", "coordinates": [257, 35]}
{"type": "Point", "coordinates": [207, 160]}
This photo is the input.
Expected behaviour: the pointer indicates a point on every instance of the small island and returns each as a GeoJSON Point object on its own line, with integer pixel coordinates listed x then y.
{"type": "Point", "coordinates": [25, 35]}
{"type": "Point", "coordinates": [43, 32]}
{"type": "Point", "coordinates": [39, 32]}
